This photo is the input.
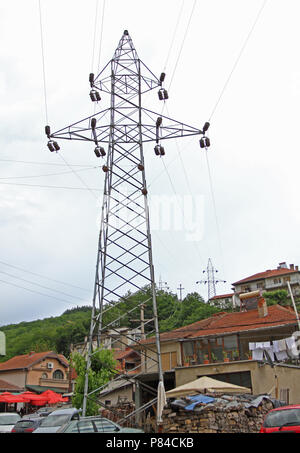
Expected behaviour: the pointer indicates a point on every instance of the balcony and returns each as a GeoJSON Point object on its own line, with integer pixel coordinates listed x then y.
{"type": "Point", "coordinates": [61, 383]}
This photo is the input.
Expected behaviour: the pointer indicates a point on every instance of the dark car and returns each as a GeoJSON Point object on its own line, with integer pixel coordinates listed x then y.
{"type": "Point", "coordinates": [282, 419]}
{"type": "Point", "coordinates": [27, 425]}
{"type": "Point", "coordinates": [95, 424]}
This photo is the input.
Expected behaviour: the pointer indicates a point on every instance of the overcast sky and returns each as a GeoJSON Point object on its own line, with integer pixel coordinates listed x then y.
{"type": "Point", "coordinates": [246, 218]}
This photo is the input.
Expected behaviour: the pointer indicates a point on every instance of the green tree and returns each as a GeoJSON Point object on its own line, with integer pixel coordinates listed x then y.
{"type": "Point", "coordinates": [279, 296]}
{"type": "Point", "coordinates": [101, 371]}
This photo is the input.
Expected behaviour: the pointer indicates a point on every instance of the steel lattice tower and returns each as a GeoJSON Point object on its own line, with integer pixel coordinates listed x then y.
{"type": "Point", "coordinates": [210, 281]}
{"type": "Point", "coordinates": [124, 261]}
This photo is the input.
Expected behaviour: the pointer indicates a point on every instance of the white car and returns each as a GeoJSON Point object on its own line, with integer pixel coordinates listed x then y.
{"type": "Point", "coordinates": [8, 421]}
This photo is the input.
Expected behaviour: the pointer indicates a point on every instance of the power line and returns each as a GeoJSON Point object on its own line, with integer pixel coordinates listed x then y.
{"type": "Point", "coordinates": [48, 174]}
{"type": "Point", "coordinates": [183, 41]}
{"type": "Point", "coordinates": [174, 34]}
{"type": "Point", "coordinates": [48, 187]}
{"type": "Point", "coordinates": [238, 58]}
{"type": "Point", "coordinates": [42, 276]}
{"type": "Point", "coordinates": [45, 163]}
{"type": "Point", "coordinates": [36, 292]}
{"type": "Point", "coordinates": [43, 61]}
{"type": "Point", "coordinates": [37, 284]}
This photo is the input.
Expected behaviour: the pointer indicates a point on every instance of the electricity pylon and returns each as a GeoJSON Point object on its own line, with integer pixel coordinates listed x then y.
{"type": "Point", "coordinates": [124, 260]}
{"type": "Point", "coordinates": [210, 280]}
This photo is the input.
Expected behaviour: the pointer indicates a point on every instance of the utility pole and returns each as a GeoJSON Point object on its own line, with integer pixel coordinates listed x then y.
{"type": "Point", "coordinates": [210, 280]}
{"type": "Point", "coordinates": [120, 132]}
{"type": "Point", "coordinates": [180, 291]}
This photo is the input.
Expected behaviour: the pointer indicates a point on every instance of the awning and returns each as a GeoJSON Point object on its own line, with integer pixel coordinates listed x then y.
{"type": "Point", "coordinates": [42, 388]}
{"type": "Point", "coordinates": [203, 385]}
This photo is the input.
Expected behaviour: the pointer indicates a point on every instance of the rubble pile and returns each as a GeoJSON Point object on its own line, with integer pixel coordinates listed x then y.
{"type": "Point", "coordinates": [219, 414]}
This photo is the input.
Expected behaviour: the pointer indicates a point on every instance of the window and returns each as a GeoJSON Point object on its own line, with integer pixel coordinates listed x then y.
{"type": "Point", "coordinates": [58, 374]}
{"type": "Point", "coordinates": [277, 280]}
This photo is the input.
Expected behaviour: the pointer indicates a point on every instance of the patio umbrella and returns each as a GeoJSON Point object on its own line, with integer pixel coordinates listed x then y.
{"type": "Point", "coordinates": [33, 398]}
{"type": "Point", "coordinates": [52, 396]}
{"type": "Point", "coordinates": [203, 385]}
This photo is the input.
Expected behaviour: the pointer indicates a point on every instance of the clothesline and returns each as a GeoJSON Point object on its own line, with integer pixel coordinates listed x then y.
{"type": "Point", "coordinates": [278, 350]}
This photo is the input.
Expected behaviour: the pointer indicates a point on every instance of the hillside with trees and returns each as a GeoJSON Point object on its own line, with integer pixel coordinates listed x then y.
{"type": "Point", "coordinates": [58, 333]}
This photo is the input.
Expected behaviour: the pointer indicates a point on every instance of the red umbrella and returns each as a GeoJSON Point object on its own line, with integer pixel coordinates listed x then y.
{"type": "Point", "coordinates": [52, 396]}
{"type": "Point", "coordinates": [7, 397]}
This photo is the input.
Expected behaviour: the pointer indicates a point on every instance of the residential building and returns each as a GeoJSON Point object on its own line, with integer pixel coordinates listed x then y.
{"type": "Point", "coordinates": [271, 280]}
{"type": "Point", "coordinates": [225, 300]}
{"type": "Point", "coordinates": [118, 338]}
{"type": "Point", "coordinates": [37, 371]}
{"type": "Point", "coordinates": [200, 349]}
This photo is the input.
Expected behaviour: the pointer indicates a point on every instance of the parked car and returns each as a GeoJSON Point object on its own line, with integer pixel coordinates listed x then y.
{"type": "Point", "coordinates": [56, 419]}
{"type": "Point", "coordinates": [95, 424]}
{"type": "Point", "coordinates": [43, 411]}
{"type": "Point", "coordinates": [282, 419]}
{"type": "Point", "coordinates": [27, 425]}
{"type": "Point", "coordinates": [8, 421]}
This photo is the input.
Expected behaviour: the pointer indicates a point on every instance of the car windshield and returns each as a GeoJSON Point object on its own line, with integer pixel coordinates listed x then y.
{"type": "Point", "coordinates": [55, 420]}
{"type": "Point", "coordinates": [9, 419]}
{"type": "Point", "coordinates": [282, 417]}
{"type": "Point", "coordinates": [24, 424]}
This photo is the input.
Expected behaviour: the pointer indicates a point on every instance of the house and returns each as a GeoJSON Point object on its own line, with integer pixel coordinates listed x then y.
{"type": "Point", "coordinates": [224, 300]}
{"type": "Point", "coordinates": [203, 348]}
{"type": "Point", "coordinates": [37, 371]}
{"type": "Point", "coordinates": [128, 361]}
{"type": "Point", "coordinates": [118, 338]}
{"type": "Point", "coordinates": [271, 280]}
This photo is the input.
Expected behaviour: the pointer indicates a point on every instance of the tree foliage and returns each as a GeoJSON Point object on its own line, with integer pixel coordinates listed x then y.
{"type": "Point", "coordinates": [101, 371]}
{"type": "Point", "coordinates": [58, 333]}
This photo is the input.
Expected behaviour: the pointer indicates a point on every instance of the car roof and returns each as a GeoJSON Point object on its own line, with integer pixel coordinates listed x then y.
{"type": "Point", "coordinates": [291, 406]}
{"type": "Point", "coordinates": [71, 410]}
{"type": "Point", "coordinates": [8, 413]}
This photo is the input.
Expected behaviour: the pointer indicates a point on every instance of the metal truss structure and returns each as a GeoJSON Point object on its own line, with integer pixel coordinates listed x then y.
{"type": "Point", "coordinates": [124, 262]}
{"type": "Point", "coordinates": [210, 280]}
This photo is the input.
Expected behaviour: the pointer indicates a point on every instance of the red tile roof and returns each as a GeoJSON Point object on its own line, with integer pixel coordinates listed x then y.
{"type": "Point", "coordinates": [27, 360]}
{"type": "Point", "coordinates": [222, 296]}
{"type": "Point", "coordinates": [8, 386]}
{"type": "Point", "coordinates": [222, 323]}
{"type": "Point", "coordinates": [266, 274]}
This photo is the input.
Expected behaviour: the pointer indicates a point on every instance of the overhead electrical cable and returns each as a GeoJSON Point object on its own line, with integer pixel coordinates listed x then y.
{"type": "Point", "coordinates": [41, 286]}
{"type": "Point", "coordinates": [43, 61]}
{"type": "Point", "coordinates": [48, 187]}
{"type": "Point", "coordinates": [45, 163]}
{"type": "Point", "coordinates": [37, 292]}
{"type": "Point", "coordinates": [214, 205]}
{"type": "Point", "coordinates": [174, 35]}
{"type": "Point", "coordinates": [46, 109]}
{"type": "Point", "coordinates": [43, 276]}
{"type": "Point", "coordinates": [46, 175]}
{"type": "Point", "coordinates": [238, 58]}
{"type": "Point", "coordinates": [101, 35]}
{"type": "Point", "coordinates": [183, 41]}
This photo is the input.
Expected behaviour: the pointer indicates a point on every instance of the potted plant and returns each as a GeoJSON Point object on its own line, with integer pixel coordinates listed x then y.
{"type": "Point", "coordinates": [235, 354]}
{"type": "Point", "coordinates": [225, 356]}
{"type": "Point", "coordinates": [186, 361]}
{"type": "Point", "coordinates": [214, 357]}
{"type": "Point", "coordinates": [205, 359]}
{"type": "Point", "coordinates": [249, 355]}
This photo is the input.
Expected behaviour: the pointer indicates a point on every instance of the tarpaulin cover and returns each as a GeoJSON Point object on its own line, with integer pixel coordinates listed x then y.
{"type": "Point", "coordinates": [198, 399]}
